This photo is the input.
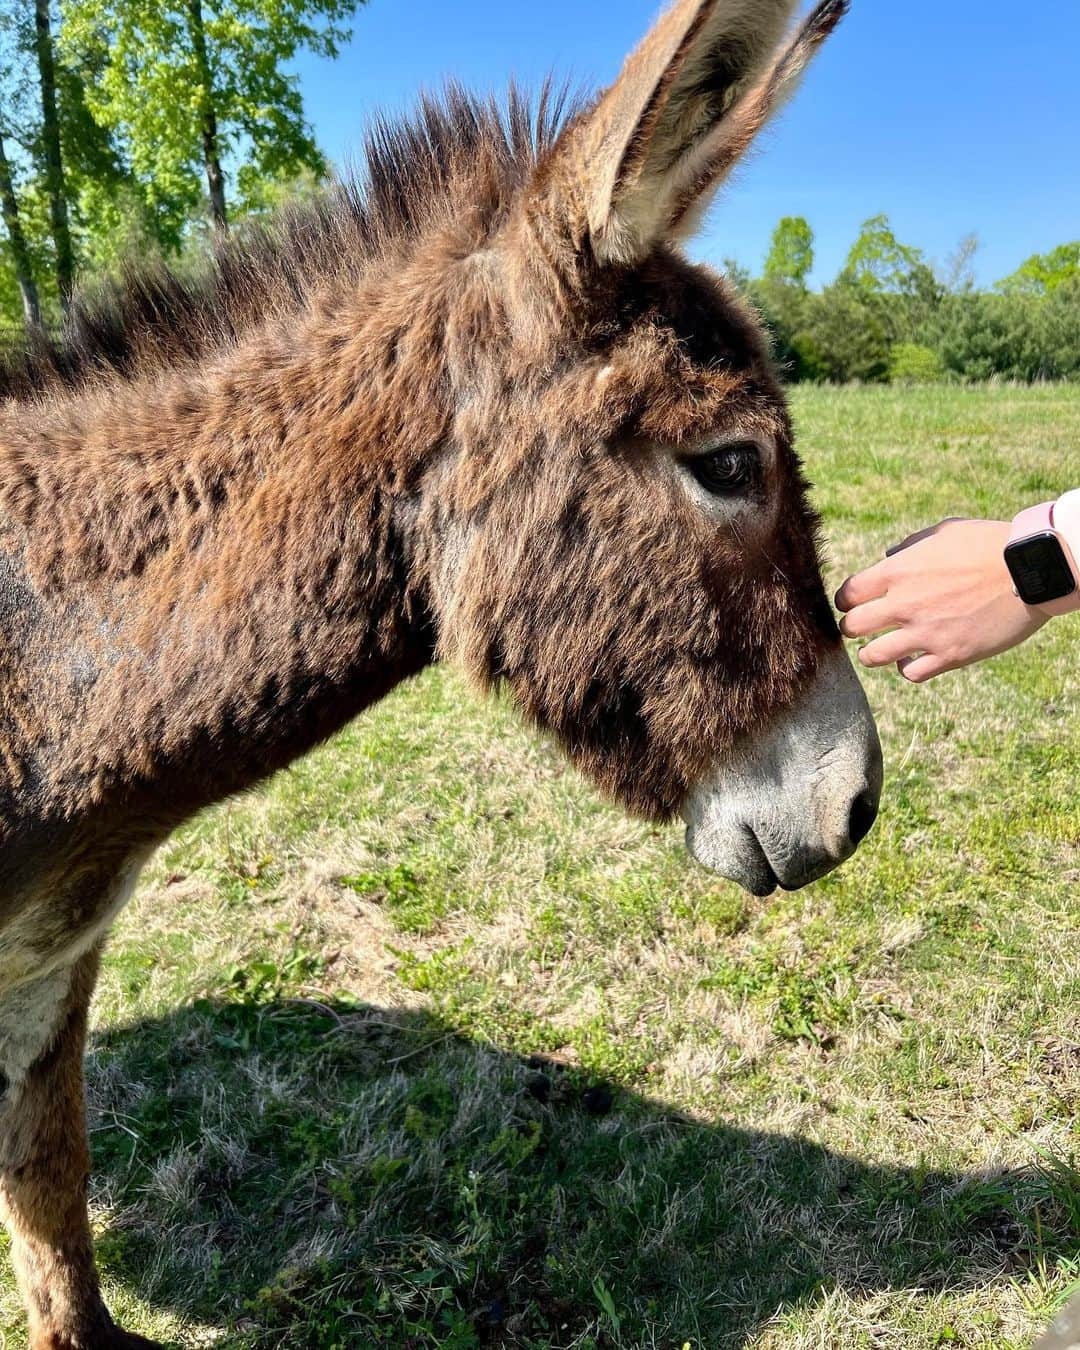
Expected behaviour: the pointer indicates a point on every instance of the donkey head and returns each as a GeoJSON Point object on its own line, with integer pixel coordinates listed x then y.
{"type": "Point", "coordinates": [626, 542]}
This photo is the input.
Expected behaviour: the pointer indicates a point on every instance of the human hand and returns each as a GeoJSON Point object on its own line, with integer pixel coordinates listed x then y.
{"type": "Point", "coordinates": [942, 599]}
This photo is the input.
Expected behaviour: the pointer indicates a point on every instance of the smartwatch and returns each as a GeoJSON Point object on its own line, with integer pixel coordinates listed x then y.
{"type": "Point", "coordinates": [1042, 555]}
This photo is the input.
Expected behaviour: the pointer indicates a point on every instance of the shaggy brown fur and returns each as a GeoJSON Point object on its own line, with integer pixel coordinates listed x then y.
{"type": "Point", "coordinates": [444, 412]}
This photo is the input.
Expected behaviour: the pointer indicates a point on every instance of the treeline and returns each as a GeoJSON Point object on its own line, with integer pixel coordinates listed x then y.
{"type": "Point", "coordinates": [131, 127]}
{"type": "Point", "coordinates": [889, 315]}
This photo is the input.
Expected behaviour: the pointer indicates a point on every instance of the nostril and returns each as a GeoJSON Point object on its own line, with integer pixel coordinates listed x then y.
{"type": "Point", "coordinates": [863, 814]}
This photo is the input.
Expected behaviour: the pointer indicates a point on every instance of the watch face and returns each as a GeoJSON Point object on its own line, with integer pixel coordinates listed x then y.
{"type": "Point", "coordinates": [1040, 569]}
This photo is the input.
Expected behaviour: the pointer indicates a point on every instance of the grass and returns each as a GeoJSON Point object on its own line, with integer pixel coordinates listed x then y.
{"type": "Point", "coordinates": [422, 1045]}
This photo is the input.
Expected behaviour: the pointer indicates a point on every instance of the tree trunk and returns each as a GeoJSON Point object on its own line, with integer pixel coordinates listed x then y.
{"type": "Point", "coordinates": [215, 176]}
{"type": "Point", "coordinates": [54, 162]}
{"type": "Point", "coordinates": [20, 253]}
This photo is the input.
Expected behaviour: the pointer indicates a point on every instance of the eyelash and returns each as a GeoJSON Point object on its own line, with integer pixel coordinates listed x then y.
{"type": "Point", "coordinates": [729, 471]}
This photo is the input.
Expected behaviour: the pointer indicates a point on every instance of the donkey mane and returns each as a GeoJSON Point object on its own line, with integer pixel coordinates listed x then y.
{"type": "Point", "coordinates": [415, 173]}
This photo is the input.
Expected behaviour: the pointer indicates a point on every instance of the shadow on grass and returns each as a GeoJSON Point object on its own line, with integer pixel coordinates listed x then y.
{"type": "Point", "coordinates": [333, 1175]}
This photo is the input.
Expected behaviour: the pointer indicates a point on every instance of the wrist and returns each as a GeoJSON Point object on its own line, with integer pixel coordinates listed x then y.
{"type": "Point", "coordinates": [1042, 553]}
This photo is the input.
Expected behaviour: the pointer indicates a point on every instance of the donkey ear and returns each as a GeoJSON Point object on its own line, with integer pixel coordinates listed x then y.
{"type": "Point", "coordinates": [678, 87]}
{"type": "Point", "coordinates": [706, 168]}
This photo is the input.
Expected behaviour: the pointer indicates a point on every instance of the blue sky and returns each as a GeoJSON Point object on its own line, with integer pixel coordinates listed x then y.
{"type": "Point", "coordinates": [953, 116]}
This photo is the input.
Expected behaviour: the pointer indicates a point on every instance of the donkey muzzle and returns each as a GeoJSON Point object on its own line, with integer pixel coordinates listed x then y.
{"type": "Point", "coordinates": [795, 802]}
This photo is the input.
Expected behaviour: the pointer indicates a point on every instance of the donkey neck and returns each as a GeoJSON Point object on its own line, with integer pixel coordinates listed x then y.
{"type": "Point", "coordinates": [208, 570]}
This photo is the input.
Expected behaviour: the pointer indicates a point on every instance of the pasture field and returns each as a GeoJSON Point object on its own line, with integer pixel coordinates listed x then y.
{"type": "Point", "coordinates": [422, 1045]}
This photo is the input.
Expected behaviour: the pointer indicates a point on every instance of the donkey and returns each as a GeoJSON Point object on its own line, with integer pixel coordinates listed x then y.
{"type": "Point", "coordinates": [477, 407]}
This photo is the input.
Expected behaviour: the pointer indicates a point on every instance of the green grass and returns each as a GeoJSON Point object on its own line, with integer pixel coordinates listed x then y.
{"type": "Point", "coordinates": [422, 1045]}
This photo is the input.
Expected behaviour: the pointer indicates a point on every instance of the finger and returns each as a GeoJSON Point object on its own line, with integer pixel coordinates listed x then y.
{"type": "Point", "coordinates": [918, 537]}
{"type": "Point", "coordinates": [911, 539]}
{"type": "Point", "coordinates": [872, 618]}
{"type": "Point", "coordinates": [919, 669]}
{"type": "Point", "coordinates": [863, 587]}
{"type": "Point", "coordinates": [883, 651]}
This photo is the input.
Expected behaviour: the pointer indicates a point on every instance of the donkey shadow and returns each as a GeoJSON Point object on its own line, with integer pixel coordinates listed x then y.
{"type": "Point", "coordinates": [332, 1175]}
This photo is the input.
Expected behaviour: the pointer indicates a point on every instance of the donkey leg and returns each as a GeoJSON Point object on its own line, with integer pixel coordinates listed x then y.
{"type": "Point", "coordinates": [45, 1162]}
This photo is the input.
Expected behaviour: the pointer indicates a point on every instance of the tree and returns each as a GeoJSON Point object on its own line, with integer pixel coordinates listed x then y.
{"type": "Point", "coordinates": [17, 244]}
{"type": "Point", "coordinates": [19, 112]}
{"type": "Point", "coordinates": [912, 363]}
{"type": "Point", "coordinates": [198, 85]}
{"type": "Point", "coordinates": [1043, 273]}
{"type": "Point", "coordinates": [110, 220]}
{"type": "Point", "coordinates": [51, 152]}
{"type": "Point", "coordinates": [878, 261]}
{"type": "Point", "coordinates": [64, 186]}
{"type": "Point", "coordinates": [13, 99]}
{"type": "Point", "coordinates": [892, 279]}
{"type": "Point", "coordinates": [853, 332]}
{"type": "Point", "coordinates": [958, 274]}
{"type": "Point", "coordinates": [791, 256]}
{"type": "Point", "coordinates": [784, 300]}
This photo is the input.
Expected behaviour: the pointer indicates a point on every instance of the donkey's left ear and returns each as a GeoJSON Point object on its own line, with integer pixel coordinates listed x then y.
{"type": "Point", "coordinates": [688, 101]}
{"type": "Point", "coordinates": [703, 171]}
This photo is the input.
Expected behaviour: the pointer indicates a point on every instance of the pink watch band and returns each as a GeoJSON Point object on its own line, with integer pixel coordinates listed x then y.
{"type": "Point", "coordinates": [1061, 519]}
{"type": "Point", "coordinates": [1035, 520]}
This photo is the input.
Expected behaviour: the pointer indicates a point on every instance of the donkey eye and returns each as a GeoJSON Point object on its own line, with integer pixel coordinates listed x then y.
{"type": "Point", "coordinates": [731, 469]}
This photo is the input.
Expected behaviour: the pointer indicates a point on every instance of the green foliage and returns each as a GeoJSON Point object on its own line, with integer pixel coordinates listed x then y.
{"type": "Point", "coordinates": [879, 262]}
{"type": "Point", "coordinates": [1014, 336]}
{"type": "Point", "coordinates": [791, 255]}
{"type": "Point", "coordinates": [887, 316]}
{"type": "Point", "coordinates": [854, 331]}
{"type": "Point", "coordinates": [839, 334]}
{"type": "Point", "coordinates": [912, 363]}
{"type": "Point", "coordinates": [134, 105]}
{"type": "Point", "coordinates": [96, 175]}
{"type": "Point", "coordinates": [1043, 273]}
{"type": "Point", "coordinates": [153, 90]}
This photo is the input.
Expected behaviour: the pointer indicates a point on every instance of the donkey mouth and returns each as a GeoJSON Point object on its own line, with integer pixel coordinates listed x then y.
{"type": "Point", "coordinates": [746, 862]}
{"type": "Point", "coordinates": [742, 858]}
{"type": "Point", "coordinates": [798, 799]}
{"type": "Point", "coordinates": [756, 874]}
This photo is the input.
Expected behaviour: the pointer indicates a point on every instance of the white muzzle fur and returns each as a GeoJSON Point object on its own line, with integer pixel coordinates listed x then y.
{"type": "Point", "coordinates": [796, 802]}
